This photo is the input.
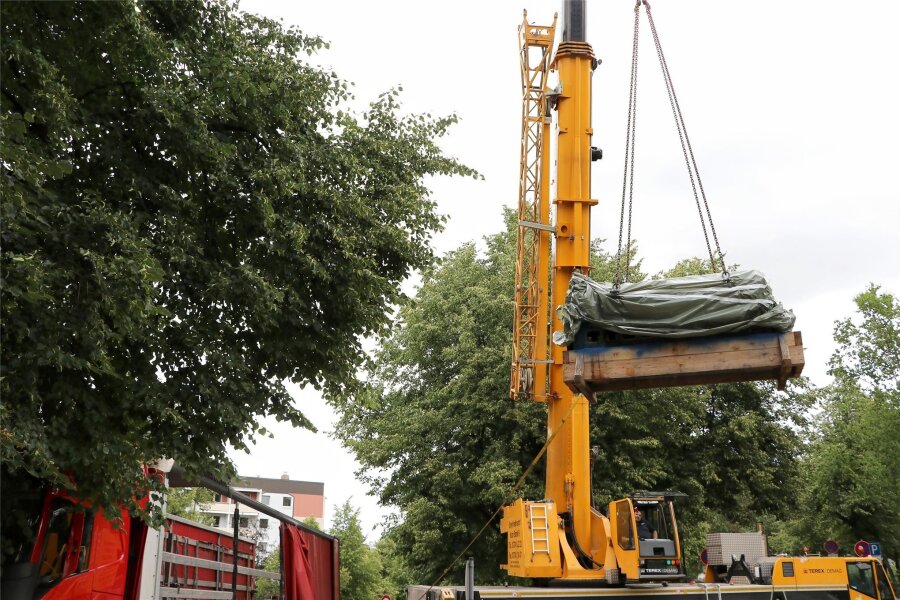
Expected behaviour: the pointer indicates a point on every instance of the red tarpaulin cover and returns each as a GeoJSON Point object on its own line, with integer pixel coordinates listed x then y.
{"type": "Point", "coordinates": [298, 578]}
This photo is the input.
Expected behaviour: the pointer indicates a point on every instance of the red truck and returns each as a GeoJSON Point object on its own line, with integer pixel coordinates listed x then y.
{"type": "Point", "coordinates": [55, 549]}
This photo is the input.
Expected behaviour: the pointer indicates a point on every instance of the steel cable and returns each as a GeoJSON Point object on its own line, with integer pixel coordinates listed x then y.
{"type": "Point", "coordinates": [628, 176]}
{"type": "Point", "coordinates": [687, 150]}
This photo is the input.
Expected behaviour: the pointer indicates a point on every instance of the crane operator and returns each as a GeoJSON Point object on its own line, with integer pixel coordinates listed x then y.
{"type": "Point", "coordinates": [645, 531]}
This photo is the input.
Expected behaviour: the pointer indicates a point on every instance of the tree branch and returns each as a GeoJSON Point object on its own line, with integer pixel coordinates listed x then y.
{"type": "Point", "coordinates": [122, 85]}
{"type": "Point", "coordinates": [220, 127]}
{"type": "Point", "coordinates": [14, 100]}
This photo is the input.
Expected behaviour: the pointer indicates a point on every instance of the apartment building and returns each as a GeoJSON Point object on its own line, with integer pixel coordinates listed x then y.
{"type": "Point", "coordinates": [297, 499]}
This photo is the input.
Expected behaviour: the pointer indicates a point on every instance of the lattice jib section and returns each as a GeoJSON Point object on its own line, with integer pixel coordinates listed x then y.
{"type": "Point", "coordinates": [530, 327]}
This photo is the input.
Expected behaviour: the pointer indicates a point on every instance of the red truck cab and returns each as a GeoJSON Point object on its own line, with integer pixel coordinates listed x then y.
{"type": "Point", "coordinates": [56, 548]}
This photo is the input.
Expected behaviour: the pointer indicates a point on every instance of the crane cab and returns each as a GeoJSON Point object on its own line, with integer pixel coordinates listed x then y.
{"type": "Point", "coordinates": [645, 539]}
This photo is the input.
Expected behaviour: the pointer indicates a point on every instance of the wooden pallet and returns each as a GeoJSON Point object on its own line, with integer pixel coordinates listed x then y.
{"type": "Point", "coordinates": [695, 361]}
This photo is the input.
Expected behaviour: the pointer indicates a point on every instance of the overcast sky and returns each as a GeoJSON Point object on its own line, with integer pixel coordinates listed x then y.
{"type": "Point", "coordinates": [792, 111]}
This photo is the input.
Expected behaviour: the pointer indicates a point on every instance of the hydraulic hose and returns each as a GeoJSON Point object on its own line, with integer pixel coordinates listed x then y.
{"type": "Point", "coordinates": [585, 559]}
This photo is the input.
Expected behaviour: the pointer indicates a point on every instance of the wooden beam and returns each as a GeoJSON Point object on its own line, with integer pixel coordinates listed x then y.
{"type": "Point", "coordinates": [696, 361]}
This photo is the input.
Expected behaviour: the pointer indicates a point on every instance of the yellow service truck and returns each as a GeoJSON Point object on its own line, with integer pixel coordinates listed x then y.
{"type": "Point", "coordinates": [790, 578]}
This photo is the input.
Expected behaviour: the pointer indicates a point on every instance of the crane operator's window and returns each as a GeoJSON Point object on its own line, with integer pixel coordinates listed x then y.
{"type": "Point", "coordinates": [653, 516]}
{"type": "Point", "coordinates": [659, 520]}
{"type": "Point", "coordinates": [861, 578]}
{"type": "Point", "coordinates": [624, 530]}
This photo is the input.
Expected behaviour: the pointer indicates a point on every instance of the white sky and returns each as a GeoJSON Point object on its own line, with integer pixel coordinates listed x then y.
{"type": "Point", "coordinates": [792, 110]}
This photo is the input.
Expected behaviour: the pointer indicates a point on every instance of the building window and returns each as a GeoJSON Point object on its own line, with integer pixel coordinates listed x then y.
{"type": "Point", "coordinates": [286, 501]}
{"type": "Point", "coordinates": [266, 499]}
{"type": "Point", "coordinates": [217, 497]}
{"type": "Point", "coordinates": [244, 522]}
{"type": "Point", "coordinates": [217, 521]}
{"type": "Point", "coordinates": [263, 523]}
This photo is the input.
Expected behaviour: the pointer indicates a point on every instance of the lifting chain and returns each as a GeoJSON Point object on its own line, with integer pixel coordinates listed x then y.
{"type": "Point", "coordinates": [717, 258]}
{"type": "Point", "coordinates": [628, 178]}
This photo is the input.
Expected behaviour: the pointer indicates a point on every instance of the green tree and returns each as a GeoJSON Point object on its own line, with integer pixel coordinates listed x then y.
{"type": "Point", "coordinates": [438, 438]}
{"type": "Point", "coordinates": [853, 464]}
{"type": "Point", "coordinates": [189, 502]}
{"type": "Point", "coordinates": [361, 569]}
{"type": "Point", "coordinates": [190, 217]}
{"type": "Point", "coordinates": [269, 588]}
{"type": "Point", "coordinates": [731, 448]}
{"type": "Point", "coordinates": [868, 353]}
{"type": "Point", "coordinates": [434, 430]}
{"type": "Point", "coordinates": [395, 570]}
{"type": "Point", "coordinates": [691, 266]}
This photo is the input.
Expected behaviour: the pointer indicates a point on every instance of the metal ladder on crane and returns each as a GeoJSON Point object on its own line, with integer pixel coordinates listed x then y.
{"type": "Point", "coordinates": [540, 528]}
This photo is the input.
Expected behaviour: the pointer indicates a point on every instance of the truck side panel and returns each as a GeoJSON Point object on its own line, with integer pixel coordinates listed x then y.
{"type": "Point", "coordinates": [199, 557]}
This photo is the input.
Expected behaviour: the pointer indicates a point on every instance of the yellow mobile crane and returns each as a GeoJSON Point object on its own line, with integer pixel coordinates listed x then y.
{"type": "Point", "coordinates": [562, 536]}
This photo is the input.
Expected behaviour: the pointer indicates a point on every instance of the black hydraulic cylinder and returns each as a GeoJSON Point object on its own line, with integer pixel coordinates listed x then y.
{"type": "Point", "coordinates": [574, 16]}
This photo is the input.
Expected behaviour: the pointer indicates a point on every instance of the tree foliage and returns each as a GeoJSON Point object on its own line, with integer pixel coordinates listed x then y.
{"type": "Point", "coordinates": [852, 470]}
{"type": "Point", "coordinates": [396, 572]}
{"type": "Point", "coordinates": [868, 353]}
{"type": "Point", "coordinates": [434, 431]}
{"type": "Point", "coordinates": [269, 588]}
{"type": "Point", "coordinates": [189, 503]}
{"type": "Point", "coordinates": [438, 438]}
{"type": "Point", "coordinates": [692, 266]}
{"type": "Point", "coordinates": [733, 449]}
{"type": "Point", "coordinates": [361, 568]}
{"type": "Point", "coordinates": [190, 217]}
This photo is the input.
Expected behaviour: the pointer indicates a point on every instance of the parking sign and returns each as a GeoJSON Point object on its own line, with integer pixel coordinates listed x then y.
{"type": "Point", "coordinates": [875, 548]}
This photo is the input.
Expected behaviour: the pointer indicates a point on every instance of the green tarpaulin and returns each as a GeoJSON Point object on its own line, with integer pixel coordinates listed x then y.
{"type": "Point", "coordinates": [683, 307]}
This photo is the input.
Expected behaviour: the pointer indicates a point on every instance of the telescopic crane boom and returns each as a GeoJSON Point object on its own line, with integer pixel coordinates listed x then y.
{"type": "Point", "coordinates": [563, 536]}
